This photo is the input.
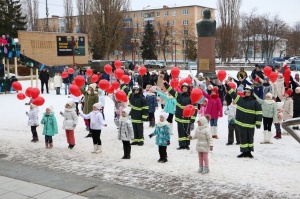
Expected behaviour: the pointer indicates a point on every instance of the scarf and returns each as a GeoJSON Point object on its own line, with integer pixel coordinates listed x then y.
{"type": "Point", "coordinates": [270, 101]}
{"type": "Point", "coordinates": [266, 84]}
{"type": "Point", "coordinates": [160, 124]}
{"type": "Point", "coordinates": [214, 96]}
{"type": "Point", "coordinates": [69, 109]}
{"type": "Point", "coordinates": [123, 119]}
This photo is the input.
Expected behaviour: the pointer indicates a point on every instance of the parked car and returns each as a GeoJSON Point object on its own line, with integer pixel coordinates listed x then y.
{"type": "Point", "coordinates": [278, 60]}
{"type": "Point", "coordinates": [295, 65]}
{"type": "Point", "coordinates": [271, 64]}
{"type": "Point", "coordinates": [191, 66]}
{"type": "Point", "coordinates": [153, 64]}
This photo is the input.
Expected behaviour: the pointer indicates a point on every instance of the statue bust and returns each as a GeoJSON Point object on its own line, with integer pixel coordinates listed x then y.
{"type": "Point", "coordinates": [206, 27]}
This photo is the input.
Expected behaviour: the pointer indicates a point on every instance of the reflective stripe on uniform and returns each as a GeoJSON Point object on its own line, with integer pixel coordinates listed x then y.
{"type": "Point", "coordinates": [144, 116]}
{"type": "Point", "coordinates": [246, 110]}
{"type": "Point", "coordinates": [181, 120]}
{"type": "Point", "coordinates": [179, 105]}
{"type": "Point", "coordinates": [258, 122]}
{"type": "Point", "coordinates": [136, 121]}
{"type": "Point", "coordinates": [145, 107]}
{"type": "Point", "coordinates": [134, 107]}
{"type": "Point", "coordinates": [246, 145]}
{"type": "Point", "coordinates": [138, 140]}
{"type": "Point", "coordinates": [123, 87]}
{"type": "Point", "coordinates": [183, 139]}
{"type": "Point", "coordinates": [244, 124]}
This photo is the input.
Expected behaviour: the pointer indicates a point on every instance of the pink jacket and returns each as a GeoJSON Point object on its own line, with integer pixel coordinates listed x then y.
{"type": "Point", "coordinates": [214, 107]}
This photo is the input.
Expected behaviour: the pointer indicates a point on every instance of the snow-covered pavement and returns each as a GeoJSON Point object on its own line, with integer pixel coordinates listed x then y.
{"type": "Point", "coordinates": [274, 172]}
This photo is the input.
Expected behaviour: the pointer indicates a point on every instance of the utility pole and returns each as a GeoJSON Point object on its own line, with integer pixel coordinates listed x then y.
{"type": "Point", "coordinates": [47, 14]}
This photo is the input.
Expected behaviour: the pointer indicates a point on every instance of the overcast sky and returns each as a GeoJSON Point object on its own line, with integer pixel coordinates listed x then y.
{"type": "Point", "coordinates": [288, 10]}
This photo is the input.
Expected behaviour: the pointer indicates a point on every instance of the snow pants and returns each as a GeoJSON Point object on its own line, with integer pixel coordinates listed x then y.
{"type": "Point", "coordinates": [183, 133]}
{"type": "Point", "coordinates": [247, 136]}
{"type": "Point", "coordinates": [70, 137]}
{"type": "Point", "coordinates": [138, 130]}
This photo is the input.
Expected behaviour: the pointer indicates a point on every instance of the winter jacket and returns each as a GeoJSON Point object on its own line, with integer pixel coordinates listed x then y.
{"type": "Point", "coordinates": [50, 124]}
{"type": "Point", "coordinates": [269, 108]}
{"type": "Point", "coordinates": [204, 138]}
{"type": "Point", "coordinates": [202, 109]}
{"type": "Point", "coordinates": [231, 112]}
{"type": "Point", "coordinates": [125, 131]}
{"type": "Point", "coordinates": [146, 80]}
{"type": "Point", "coordinates": [105, 76]}
{"type": "Point", "coordinates": [89, 101]}
{"type": "Point", "coordinates": [170, 104]}
{"type": "Point", "coordinates": [296, 100]}
{"type": "Point", "coordinates": [249, 112]}
{"type": "Point", "coordinates": [221, 91]}
{"type": "Point", "coordinates": [267, 88]}
{"type": "Point", "coordinates": [152, 102]}
{"type": "Point", "coordinates": [57, 81]}
{"type": "Point", "coordinates": [162, 133]}
{"type": "Point", "coordinates": [33, 117]}
{"type": "Point", "coordinates": [259, 91]}
{"type": "Point", "coordinates": [279, 84]}
{"type": "Point", "coordinates": [96, 119]}
{"type": "Point", "coordinates": [70, 118]}
{"type": "Point", "coordinates": [153, 79]}
{"type": "Point", "coordinates": [288, 108]}
{"type": "Point", "coordinates": [213, 107]}
{"type": "Point", "coordinates": [259, 73]}
{"type": "Point", "coordinates": [44, 76]}
{"type": "Point", "coordinates": [68, 80]}
{"type": "Point", "coordinates": [182, 99]}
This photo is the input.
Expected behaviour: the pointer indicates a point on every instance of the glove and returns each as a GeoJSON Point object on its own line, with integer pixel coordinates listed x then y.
{"type": "Point", "coordinates": [168, 142]}
{"type": "Point", "coordinates": [60, 112]}
{"type": "Point", "coordinates": [150, 136]}
{"type": "Point", "coordinates": [258, 126]}
{"type": "Point", "coordinates": [74, 125]}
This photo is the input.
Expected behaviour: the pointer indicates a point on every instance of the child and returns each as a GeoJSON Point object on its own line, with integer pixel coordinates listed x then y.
{"type": "Point", "coordinates": [232, 126]}
{"type": "Point", "coordinates": [269, 113]}
{"type": "Point", "coordinates": [214, 109]}
{"type": "Point", "coordinates": [288, 105]}
{"type": "Point", "coordinates": [146, 91]}
{"type": "Point", "coordinates": [70, 122]}
{"type": "Point", "coordinates": [258, 88]}
{"type": "Point", "coordinates": [203, 108]}
{"type": "Point", "coordinates": [125, 132]}
{"type": "Point", "coordinates": [162, 132]}
{"type": "Point", "coordinates": [279, 119]}
{"type": "Point", "coordinates": [76, 100]}
{"type": "Point", "coordinates": [57, 82]}
{"type": "Point", "coordinates": [152, 102]}
{"type": "Point", "coordinates": [50, 127]}
{"type": "Point", "coordinates": [96, 124]}
{"type": "Point", "coordinates": [204, 143]}
{"type": "Point", "coordinates": [33, 121]}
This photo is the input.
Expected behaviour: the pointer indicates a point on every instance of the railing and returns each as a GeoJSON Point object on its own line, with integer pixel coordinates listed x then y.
{"type": "Point", "coordinates": [286, 125]}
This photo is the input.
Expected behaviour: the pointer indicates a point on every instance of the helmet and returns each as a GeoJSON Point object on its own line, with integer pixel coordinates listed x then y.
{"type": "Point", "coordinates": [137, 87]}
{"type": "Point", "coordinates": [186, 85]}
{"type": "Point", "coordinates": [248, 88]}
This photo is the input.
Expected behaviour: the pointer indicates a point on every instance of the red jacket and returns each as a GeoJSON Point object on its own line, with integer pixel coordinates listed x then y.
{"type": "Point", "coordinates": [3, 41]}
{"type": "Point", "coordinates": [214, 107]}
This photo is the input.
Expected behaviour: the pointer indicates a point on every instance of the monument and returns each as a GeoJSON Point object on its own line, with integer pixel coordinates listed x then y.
{"type": "Point", "coordinates": [206, 30]}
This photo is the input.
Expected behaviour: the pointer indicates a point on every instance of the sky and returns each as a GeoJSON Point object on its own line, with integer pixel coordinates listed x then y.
{"type": "Point", "coordinates": [288, 12]}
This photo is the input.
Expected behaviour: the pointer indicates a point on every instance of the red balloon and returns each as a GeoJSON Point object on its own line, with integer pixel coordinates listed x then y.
{"type": "Point", "coordinates": [175, 72]}
{"type": "Point", "coordinates": [108, 69]}
{"type": "Point", "coordinates": [39, 101]}
{"type": "Point", "coordinates": [110, 90]}
{"type": "Point", "coordinates": [103, 84]}
{"type": "Point", "coordinates": [17, 86]}
{"type": "Point", "coordinates": [74, 83]}
{"type": "Point", "coordinates": [188, 80]}
{"type": "Point", "coordinates": [142, 70]}
{"type": "Point", "coordinates": [74, 90]}
{"type": "Point", "coordinates": [181, 82]}
{"type": "Point", "coordinates": [221, 75]}
{"type": "Point", "coordinates": [286, 76]}
{"type": "Point", "coordinates": [28, 92]}
{"type": "Point", "coordinates": [273, 76]}
{"type": "Point", "coordinates": [35, 92]}
{"type": "Point", "coordinates": [118, 64]}
{"type": "Point", "coordinates": [89, 72]}
{"type": "Point", "coordinates": [267, 70]}
{"type": "Point", "coordinates": [189, 111]}
{"type": "Point", "coordinates": [70, 70]}
{"type": "Point", "coordinates": [121, 96]}
{"type": "Point", "coordinates": [232, 85]}
{"type": "Point", "coordinates": [119, 73]}
{"type": "Point", "coordinates": [64, 74]}
{"type": "Point", "coordinates": [174, 82]}
{"type": "Point", "coordinates": [125, 79]}
{"type": "Point", "coordinates": [94, 78]}
{"type": "Point", "coordinates": [21, 96]}
{"type": "Point", "coordinates": [196, 95]}
{"type": "Point", "coordinates": [115, 85]}
{"type": "Point", "coordinates": [79, 81]}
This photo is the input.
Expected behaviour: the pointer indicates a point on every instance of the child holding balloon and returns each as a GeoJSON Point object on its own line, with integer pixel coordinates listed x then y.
{"type": "Point", "coordinates": [33, 121]}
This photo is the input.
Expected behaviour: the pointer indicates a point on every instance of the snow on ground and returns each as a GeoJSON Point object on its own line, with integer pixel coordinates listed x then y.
{"type": "Point", "coordinates": [272, 173]}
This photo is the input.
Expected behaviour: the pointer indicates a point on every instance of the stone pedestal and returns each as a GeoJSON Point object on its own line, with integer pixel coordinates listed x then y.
{"type": "Point", "coordinates": [206, 57]}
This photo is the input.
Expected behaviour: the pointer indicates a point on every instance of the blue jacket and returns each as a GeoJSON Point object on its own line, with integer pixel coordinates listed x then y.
{"type": "Point", "coordinates": [152, 102]}
{"type": "Point", "coordinates": [50, 124]}
{"type": "Point", "coordinates": [162, 134]}
{"type": "Point", "coordinates": [170, 104]}
{"type": "Point", "coordinates": [105, 76]}
{"type": "Point", "coordinates": [259, 91]}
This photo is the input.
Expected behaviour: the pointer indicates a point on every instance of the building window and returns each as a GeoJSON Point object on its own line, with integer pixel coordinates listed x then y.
{"type": "Point", "coordinates": [158, 24]}
{"type": "Point", "coordinates": [166, 23]}
{"type": "Point", "coordinates": [158, 52]}
{"type": "Point", "coordinates": [173, 23]}
{"type": "Point", "coordinates": [142, 25]}
{"type": "Point", "coordinates": [135, 25]}
{"type": "Point", "coordinates": [158, 33]}
{"type": "Point", "coordinates": [158, 14]}
{"type": "Point", "coordinates": [184, 42]}
{"type": "Point", "coordinates": [185, 32]}
{"type": "Point", "coordinates": [185, 12]}
{"type": "Point", "coordinates": [185, 22]}
{"type": "Point", "coordinates": [135, 34]}
{"type": "Point", "coordinates": [167, 43]}
{"type": "Point", "coordinates": [174, 12]}
{"type": "Point", "coordinates": [166, 13]}
{"type": "Point", "coordinates": [184, 52]}
{"type": "Point", "coordinates": [166, 53]}
{"type": "Point", "coordinates": [134, 15]}
{"type": "Point", "coordinates": [173, 33]}
{"type": "Point", "coordinates": [157, 43]}
{"type": "Point", "coordinates": [142, 14]}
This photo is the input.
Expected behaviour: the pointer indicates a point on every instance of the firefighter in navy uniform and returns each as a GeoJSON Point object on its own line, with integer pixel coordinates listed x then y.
{"type": "Point", "coordinates": [139, 112]}
{"type": "Point", "coordinates": [248, 116]}
{"type": "Point", "coordinates": [183, 124]}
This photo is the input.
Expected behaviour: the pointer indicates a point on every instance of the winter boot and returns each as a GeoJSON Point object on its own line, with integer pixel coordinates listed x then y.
{"type": "Point", "coordinates": [269, 137]}
{"type": "Point", "coordinates": [46, 145]}
{"type": "Point", "coordinates": [99, 149]}
{"type": "Point", "coordinates": [88, 135]}
{"type": "Point", "coordinates": [205, 170]}
{"type": "Point", "coordinates": [212, 131]}
{"type": "Point", "coordinates": [249, 154]}
{"type": "Point", "coordinates": [265, 141]}
{"type": "Point", "coordinates": [216, 132]}
{"type": "Point", "coordinates": [279, 135]}
{"type": "Point", "coordinates": [95, 148]}
{"type": "Point", "coordinates": [150, 123]}
{"type": "Point", "coordinates": [200, 170]}
{"type": "Point", "coordinates": [128, 151]}
{"type": "Point", "coordinates": [71, 146]}
{"type": "Point", "coordinates": [171, 128]}
{"type": "Point", "coordinates": [125, 152]}
{"type": "Point", "coordinates": [153, 122]}
{"type": "Point", "coordinates": [33, 139]}
{"type": "Point", "coordinates": [276, 136]}
{"type": "Point", "coordinates": [51, 145]}
{"type": "Point", "coordinates": [243, 155]}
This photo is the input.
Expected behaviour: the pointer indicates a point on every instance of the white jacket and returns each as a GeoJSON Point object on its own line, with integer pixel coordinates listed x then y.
{"type": "Point", "coordinates": [280, 90]}
{"type": "Point", "coordinates": [70, 119]}
{"type": "Point", "coordinates": [57, 81]}
{"type": "Point", "coordinates": [204, 138]}
{"type": "Point", "coordinates": [33, 117]}
{"type": "Point", "coordinates": [96, 119]}
{"type": "Point", "coordinates": [288, 108]}
{"type": "Point", "coordinates": [231, 111]}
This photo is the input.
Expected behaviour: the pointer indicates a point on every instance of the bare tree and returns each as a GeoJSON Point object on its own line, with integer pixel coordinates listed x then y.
{"type": "Point", "coordinates": [83, 9]}
{"type": "Point", "coordinates": [68, 6]}
{"type": "Point", "coordinates": [294, 40]}
{"type": "Point", "coordinates": [107, 25]}
{"type": "Point", "coordinates": [32, 9]}
{"type": "Point", "coordinates": [227, 32]}
{"type": "Point", "coordinates": [189, 41]}
{"type": "Point", "coordinates": [164, 38]}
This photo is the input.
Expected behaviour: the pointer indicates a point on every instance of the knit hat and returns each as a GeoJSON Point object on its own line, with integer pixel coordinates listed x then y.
{"type": "Point", "coordinates": [127, 111]}
{"type": "Point", "coordinates": [164, 114]}
{"type": "Point", "coordinates": [257, 80]}
{"type": "Point", "coordinates": [203, 120]}
{"type": "Point", "coordinates": [209, 87]}
{"type": "Point", "coordinates": [297, 88]}
{"type": "Point", "coordinates": [152, 89]}
{"type": "Point", "coordinates": [200, 74]}
{"type": "Point", "coordinates": [279, 105]}
{"type": "Point", "coordinates": [215, 89]}
{"type": "Point", "coordinates": [270, 95]}
{"type": "Point", "coordinates": [93, 86]}
{"type": "Point", "coordinates": [71, 104]}
{"type": "Point", "coordinates": [240, 88]}
{"type": "Point", "coordinates": [51, 108]}
{"type": "Point", "coordinates": [98, 105]}
{"type": "Point", "coordinates": [33, 106]}
{"type": "Point", "coordinates": [289, 92]}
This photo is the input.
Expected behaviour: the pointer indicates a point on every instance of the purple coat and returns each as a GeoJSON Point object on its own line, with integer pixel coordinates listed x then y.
{"type": "Point", "coordinates": [214, 107]}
